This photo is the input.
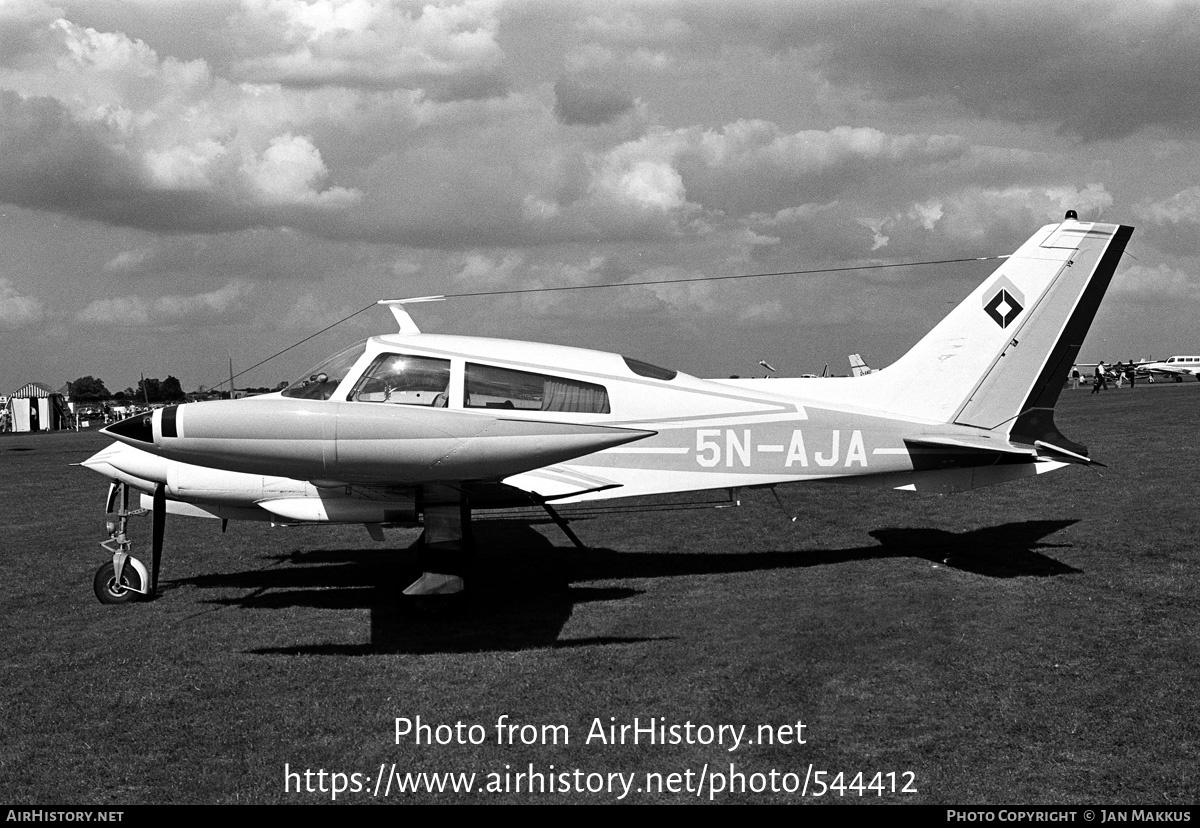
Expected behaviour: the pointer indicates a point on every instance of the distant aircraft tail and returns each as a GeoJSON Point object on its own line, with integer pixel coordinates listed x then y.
{"type": "Point", "coordinates": [858, 367]}
{"type": "Point", "coordinates": [1000, 359]}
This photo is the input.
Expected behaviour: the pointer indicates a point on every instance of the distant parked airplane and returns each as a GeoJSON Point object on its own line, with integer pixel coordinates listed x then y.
{"type": "Point", "coordinates": [1177, 367]}
{"type": "Point", "coordinates": [859, 368]}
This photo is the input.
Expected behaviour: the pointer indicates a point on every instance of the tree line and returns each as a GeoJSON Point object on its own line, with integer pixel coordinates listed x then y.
{"type": "Point", "coordinates": [90, 389]}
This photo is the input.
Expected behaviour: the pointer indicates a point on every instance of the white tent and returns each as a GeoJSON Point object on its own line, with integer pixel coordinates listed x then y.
{"type": "Point", "coordinates": [35, 407]}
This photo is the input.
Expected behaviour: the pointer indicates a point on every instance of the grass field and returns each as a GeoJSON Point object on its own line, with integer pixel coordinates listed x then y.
{"type": "Point", "coordinates": [1035, 643]}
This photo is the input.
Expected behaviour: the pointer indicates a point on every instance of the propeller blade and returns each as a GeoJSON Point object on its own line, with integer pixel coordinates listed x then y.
{"type": "Point", "coordinates": [160, 518]}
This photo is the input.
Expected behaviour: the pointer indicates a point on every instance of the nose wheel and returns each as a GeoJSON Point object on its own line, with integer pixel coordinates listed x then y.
{"type": "Point", "coordinates": [111, 589]}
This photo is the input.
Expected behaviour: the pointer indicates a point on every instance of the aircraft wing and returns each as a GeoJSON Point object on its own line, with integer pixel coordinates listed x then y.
{"type": "Point", "coordinates": [1163, 371]}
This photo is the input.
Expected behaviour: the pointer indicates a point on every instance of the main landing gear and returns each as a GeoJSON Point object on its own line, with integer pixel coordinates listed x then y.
{"type": "Point", "coordinates": [447, 545]}
{"type": "Point", "coordinates": [125, 578]}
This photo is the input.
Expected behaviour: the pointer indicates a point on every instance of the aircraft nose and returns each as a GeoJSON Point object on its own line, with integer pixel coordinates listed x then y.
{"type": "Point", "coordinates": [140, 428]}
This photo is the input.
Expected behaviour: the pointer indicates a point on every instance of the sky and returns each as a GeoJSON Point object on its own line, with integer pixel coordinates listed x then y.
{"type": "Point", "coordinates": [187, 183]}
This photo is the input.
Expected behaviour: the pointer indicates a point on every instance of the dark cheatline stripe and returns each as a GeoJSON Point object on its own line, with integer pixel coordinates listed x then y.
{"type": "Point", "coordinates": [168, 422]}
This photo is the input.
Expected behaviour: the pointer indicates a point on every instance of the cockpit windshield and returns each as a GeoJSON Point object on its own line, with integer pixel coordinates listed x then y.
{"type": "Point", "coordinates": [405, 380]}
{"type": "Point", "coordinates": [320, 382]}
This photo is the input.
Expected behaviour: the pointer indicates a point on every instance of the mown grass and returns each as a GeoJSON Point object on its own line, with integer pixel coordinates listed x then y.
{"type": "Point", "coordinates": [1032, 643]}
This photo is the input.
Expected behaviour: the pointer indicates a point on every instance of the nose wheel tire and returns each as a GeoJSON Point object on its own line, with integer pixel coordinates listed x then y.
{"type": "Point", "coordinates": [110, 592]}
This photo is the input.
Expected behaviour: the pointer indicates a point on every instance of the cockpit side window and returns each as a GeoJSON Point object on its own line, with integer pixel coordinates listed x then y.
{"type": "Point", "coordinates": [320, 382]}
{"type": "Point", "coordinates": [491, 387]}
{"type": "Point", "coordinates": [405, 380]}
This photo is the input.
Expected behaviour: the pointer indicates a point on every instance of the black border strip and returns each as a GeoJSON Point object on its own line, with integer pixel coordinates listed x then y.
{"type": "Point", "coordinates": [1036, 420]}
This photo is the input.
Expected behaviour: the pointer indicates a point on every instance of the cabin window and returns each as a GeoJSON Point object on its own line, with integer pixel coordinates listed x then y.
{"type": "Point", "coordinates": [645, 369]}
{"type": "Point", "coordinates": [400, 379]}
{"type": "Point", "coordinates": [492, 387]}
{"type": "Point", "coordinates": [320, 382]}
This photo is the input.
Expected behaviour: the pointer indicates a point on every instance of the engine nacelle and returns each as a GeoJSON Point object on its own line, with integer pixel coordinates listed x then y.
{"type": "Point", "coordinates": [325, 440]}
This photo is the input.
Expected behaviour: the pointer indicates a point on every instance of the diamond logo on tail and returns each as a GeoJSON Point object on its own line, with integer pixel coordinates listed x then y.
{"type": "Point", "coordinates": [1004, 306]}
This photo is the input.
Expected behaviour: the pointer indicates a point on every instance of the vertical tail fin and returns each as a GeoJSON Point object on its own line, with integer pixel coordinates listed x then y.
{"type": "Point", "coordinates": [999, 360]}
{"type": "Point", "coordinates": [858, 367]}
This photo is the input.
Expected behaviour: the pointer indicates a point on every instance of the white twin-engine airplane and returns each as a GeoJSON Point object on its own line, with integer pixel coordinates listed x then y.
{"type": "Point", "coordinates": [420, 429]}
{"type": "Point", "coordinates": [1177, 367]}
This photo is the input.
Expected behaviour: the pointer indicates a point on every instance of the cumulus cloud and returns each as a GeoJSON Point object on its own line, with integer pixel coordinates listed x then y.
{"type": "Point", "coordinates": [97, 124]}
{"type": "Point", "coordinates": [480, 272]}
{"type": "Point", "coordinates": [301, 123]}
{"type": "Point", "coordinates": [641, 28]}
{"type": "Point", "coordinates": [129, 261]}
{"type": "Point", "coordinates": [49, 160]}
{"type": "Point", "coordinates": [290, 171]}
{"type": "Point", "coordinates": [754, 166]}
{"type": "Point", "coordinates": [312, 313]}
{"type": "Point", "coordinates": [645, 183]}
{"type": "Point", "coordinates": [1181, 208]}
{"type": "Point", "coordinates": [210, 261]}
{"type": "Point", "coordinates": [1156, 283]}
{"type": "Point", "coordinates": [17, 311]}
{"type": "Point", "coordinates": [964, 221]}
{"type": "Point", "coordinates": [1172, 221]}
{"type": "Point", "coordinates": [976, 221]}
{"type": "Point", "coordinates": [139, 312]}
{"type": "Point", "coordinates": [449, 51]}
{"type": "Point", "coordinates": [758, 142]}
{"type": "Point", "coordinates": [1103, 69]}
{"type": "Point", "coordinates": [824, 232]}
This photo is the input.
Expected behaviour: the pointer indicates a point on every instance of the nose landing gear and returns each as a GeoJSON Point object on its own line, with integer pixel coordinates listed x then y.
{"type": "Point", "coordinates": [125, 578]}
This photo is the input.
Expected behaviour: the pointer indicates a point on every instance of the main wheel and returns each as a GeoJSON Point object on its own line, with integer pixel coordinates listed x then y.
{"type": "Point", "coordinates": [109, 591]}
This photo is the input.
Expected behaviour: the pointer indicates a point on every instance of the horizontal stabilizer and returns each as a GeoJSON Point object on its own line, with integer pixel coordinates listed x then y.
{"type": "Point", "coordinates": [979, 442]}
{"type": "Point", "coordinates": [1065, 455]}
{"type": "Point", "coordinates": [985, 448]}
{"type": "Point", "coordinates": [965, 451]}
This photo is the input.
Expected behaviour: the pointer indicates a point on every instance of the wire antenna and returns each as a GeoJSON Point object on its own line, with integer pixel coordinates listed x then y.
{"type": "Point", "coordinates": [557, 288]}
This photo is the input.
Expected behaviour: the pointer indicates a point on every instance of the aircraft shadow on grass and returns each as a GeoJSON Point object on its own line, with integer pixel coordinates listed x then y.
{"type": "Point", "coordinates": [523, 589]}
